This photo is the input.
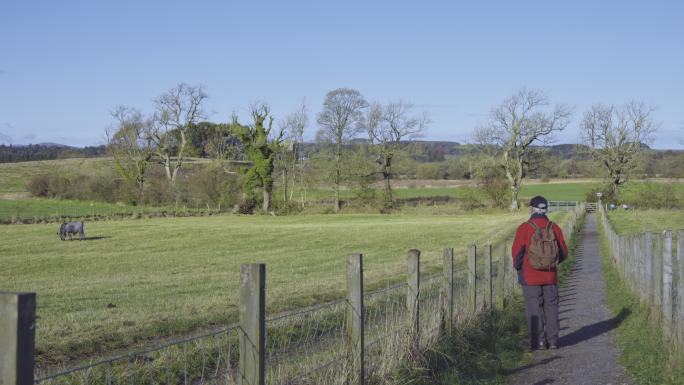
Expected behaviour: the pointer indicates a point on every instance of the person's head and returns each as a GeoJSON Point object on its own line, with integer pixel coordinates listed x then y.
{"type": "Point", "coordinates": [539, 205]}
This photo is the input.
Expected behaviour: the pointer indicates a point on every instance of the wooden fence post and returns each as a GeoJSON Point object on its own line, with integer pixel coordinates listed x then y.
{"type": "Point", "coordinates": [252, 324]}
{"type": "Point", "coordinates": [658, 270]}
{"type": "Point", "coordinates": [472, 277]}
{"type": "Point", "coordinates": [355, 316]}
{"type": "Point", "coordinates": [489, 283]}
{"type": "Point", "coordinates": [501, 276]}
{"type": "Point", "coordinates": [680, 291]}
{"type": "Point", "coordinates": [449, 290]}
{"type": "Point", "coordinates": [413, 293]}
{"type": "Point", "coordinates": [17, 338]}
{"type": "Point", "coordinates": [667, 283]}
{"type": "Point", "coordinates": [649, 285]}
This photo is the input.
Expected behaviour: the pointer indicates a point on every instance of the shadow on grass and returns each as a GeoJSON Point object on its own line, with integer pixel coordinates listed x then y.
{"type": "Point", "coordinates": [88, 238]}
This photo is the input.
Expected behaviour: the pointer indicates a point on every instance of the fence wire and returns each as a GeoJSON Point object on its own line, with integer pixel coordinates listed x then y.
{"type": "Point", "coordinates": [206, 359]}
{"type": "Point", "coordinates": [307, 346]}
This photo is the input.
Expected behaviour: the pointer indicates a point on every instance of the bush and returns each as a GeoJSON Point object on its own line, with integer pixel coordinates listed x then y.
{"type": "Point", "coordinates": [492, 181]}
{"type": "Point", "coordinates": [39, 186]}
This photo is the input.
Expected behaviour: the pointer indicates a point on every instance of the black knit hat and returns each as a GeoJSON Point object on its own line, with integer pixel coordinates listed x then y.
{"type": "Point", "coordinates": [539, 202]}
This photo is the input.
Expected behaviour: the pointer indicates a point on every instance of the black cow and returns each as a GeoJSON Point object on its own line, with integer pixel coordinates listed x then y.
{"type": "Point", "coordinates": [70, 228]}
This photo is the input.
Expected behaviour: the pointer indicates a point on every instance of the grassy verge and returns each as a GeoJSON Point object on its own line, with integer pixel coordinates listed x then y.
{"type": "Point", "coordinates": [645, 353]}
{"type": "Point", "coordinates": [471, 356]}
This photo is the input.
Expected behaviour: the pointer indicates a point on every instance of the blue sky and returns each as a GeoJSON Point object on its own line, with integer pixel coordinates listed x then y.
{"type": "Point", "coordinates": [65, 65]}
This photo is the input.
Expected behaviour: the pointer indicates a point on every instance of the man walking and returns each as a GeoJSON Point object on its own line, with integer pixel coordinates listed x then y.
{"type": "Point", "coordinates": [538, 248]}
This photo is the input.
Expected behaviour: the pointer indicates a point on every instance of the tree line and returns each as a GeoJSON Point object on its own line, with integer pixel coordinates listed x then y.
{"type": "Point", "coordinates": [363, 145]}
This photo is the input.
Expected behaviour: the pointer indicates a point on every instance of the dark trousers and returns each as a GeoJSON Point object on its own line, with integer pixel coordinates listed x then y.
{"type": "Point", "coordinates": [541, 310]}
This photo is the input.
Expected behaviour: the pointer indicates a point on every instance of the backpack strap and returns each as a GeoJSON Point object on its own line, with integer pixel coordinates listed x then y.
{"type": "Point", "coordinates": [534, 226]}
{"type": "Point", "coordinates": [549, 227]}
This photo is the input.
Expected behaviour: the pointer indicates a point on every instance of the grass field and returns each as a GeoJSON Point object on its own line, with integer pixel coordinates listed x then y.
{"type": "Point", "coordinates": [136, 280]}
{"type": "Point", "coordinates": [15, 176]}
{"type": "Point", "coordinates": [638, 221]}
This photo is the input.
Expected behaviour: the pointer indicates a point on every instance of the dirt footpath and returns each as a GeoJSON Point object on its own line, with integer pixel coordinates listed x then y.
{"type": "Point", "coordinates": [587, 353]}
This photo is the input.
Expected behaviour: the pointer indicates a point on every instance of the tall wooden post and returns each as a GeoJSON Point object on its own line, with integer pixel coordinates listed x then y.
{"type": "Point", "coordinates": [680, 290]}
{"type": "Point", "coordinates": [489, 283]}
{"type": "Point", "coordinates": [501, 276]}
{"type": "Point", "coordinates": [658, 270]}
{"type": "Point", "coordinates": [449, 290]}
{"type": "Point", "coordinates": [17, 338]}
{"type": "Point", "coordinates": [667, 283]}
{"type": "Point", "coordinates": [472, 277]}
{"type": "Point", "coordinates": [413, 293]}
{"type": "Point", "coordinates": [649, 285]}
{"type": "Point", "coordinates": [355, 316]}
{"type": "Point", "coordinates": [252, 324]}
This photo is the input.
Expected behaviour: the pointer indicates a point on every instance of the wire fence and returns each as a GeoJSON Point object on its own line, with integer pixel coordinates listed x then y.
{"type": "Point", "coordinates": [206, 359]}
{"type": "Point", "coordinates": [652, 264]}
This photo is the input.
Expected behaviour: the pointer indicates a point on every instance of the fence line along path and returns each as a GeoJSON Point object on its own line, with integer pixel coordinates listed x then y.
{"type": "Point", "coordinates": [587, 353]}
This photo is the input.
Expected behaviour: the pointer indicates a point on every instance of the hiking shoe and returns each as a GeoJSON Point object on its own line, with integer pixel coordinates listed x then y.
{"type": "Point", "coordinates": [553, 346]}
{"type": "Point", "coordinates": [542, 345]}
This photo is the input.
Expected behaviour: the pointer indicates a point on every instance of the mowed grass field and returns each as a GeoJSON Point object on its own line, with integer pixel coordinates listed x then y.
{"type": "Point", "coordinates": [146, 279]}
{"type": "Point", "coordinates": [638, 221]}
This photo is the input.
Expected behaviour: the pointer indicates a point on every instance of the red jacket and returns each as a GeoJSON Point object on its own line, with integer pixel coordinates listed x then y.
{"type": "Point", "coordinates": [526, 274]}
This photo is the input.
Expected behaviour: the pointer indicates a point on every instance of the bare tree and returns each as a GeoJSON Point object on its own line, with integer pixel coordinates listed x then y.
{"type": "Point", "coordinates": [616, 136]}
{"type": "Point", "coordinates": [340, 121]}
{"type": "Point", "coordinates": [176, 110]}
{"type": "Point", "coordinates": [127, 144]}
{"type": "Point", "coordinates": [293, 126]}
{"type": "Point", "coordinates": [388, 126]}
{"type": "Point", "coordinates": [517, 123]}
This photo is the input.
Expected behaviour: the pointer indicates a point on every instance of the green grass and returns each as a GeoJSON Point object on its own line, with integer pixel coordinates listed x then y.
{"type": "Point", "coordinates": [638, 221]}
{"type": "Point", "coordinates": [14, 177]}
{"type": "Point", "coordinates": [169, 276]}
{"type": "Point", "coordinates": [570, 191]}
{"type": "Point", "coordinates": [30, 208]}
{"type": "Point", "coordinates": [645, 352]}
{"type": "Point", "coordinates": [39, 208]}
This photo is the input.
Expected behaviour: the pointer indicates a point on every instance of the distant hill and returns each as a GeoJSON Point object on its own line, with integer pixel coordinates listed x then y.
{"type": "Point", "coordinates": [47, 151]}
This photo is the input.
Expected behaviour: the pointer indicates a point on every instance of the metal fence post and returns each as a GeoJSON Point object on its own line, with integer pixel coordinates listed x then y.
{"type": "Point", "coordinates": [472, 277]}
{"type": "Point", "coordinates": [449, 289]}
{"type": "Point", "coordinates": [355, 316]}
{"type": "Point", "coordinates": [667, 283]}
{"type": "Point", "coordinates": [17, 338]}
{"type": "Point", "coordinates": [501, 276]}
{"type": "Point", "coordinates": [413, 292]}
{"type": "Point", "coordinates": [252, 324]}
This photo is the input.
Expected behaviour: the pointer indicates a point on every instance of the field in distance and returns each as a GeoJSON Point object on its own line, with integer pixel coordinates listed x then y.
{"type": "Point", "coordinates": [639, 221]}
{"type": "Point", "coordinates": [144, 279]}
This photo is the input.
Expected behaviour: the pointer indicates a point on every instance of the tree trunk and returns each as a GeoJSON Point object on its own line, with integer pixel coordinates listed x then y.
{"type": "Point", "coordinates": [285, 198]}
{"type": "Point", "coordinates": [387, 175]}
{"type": "Point", "coordinates": [167, 168]}
{"type": "Point", "coordinates": [615, 187]}
{"type": "Point", "coordinates": [338, 158]}
{"type": "Point", "coordinates": [515, 189]}
{"type": "Point", "coordinates": [267, 199]}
